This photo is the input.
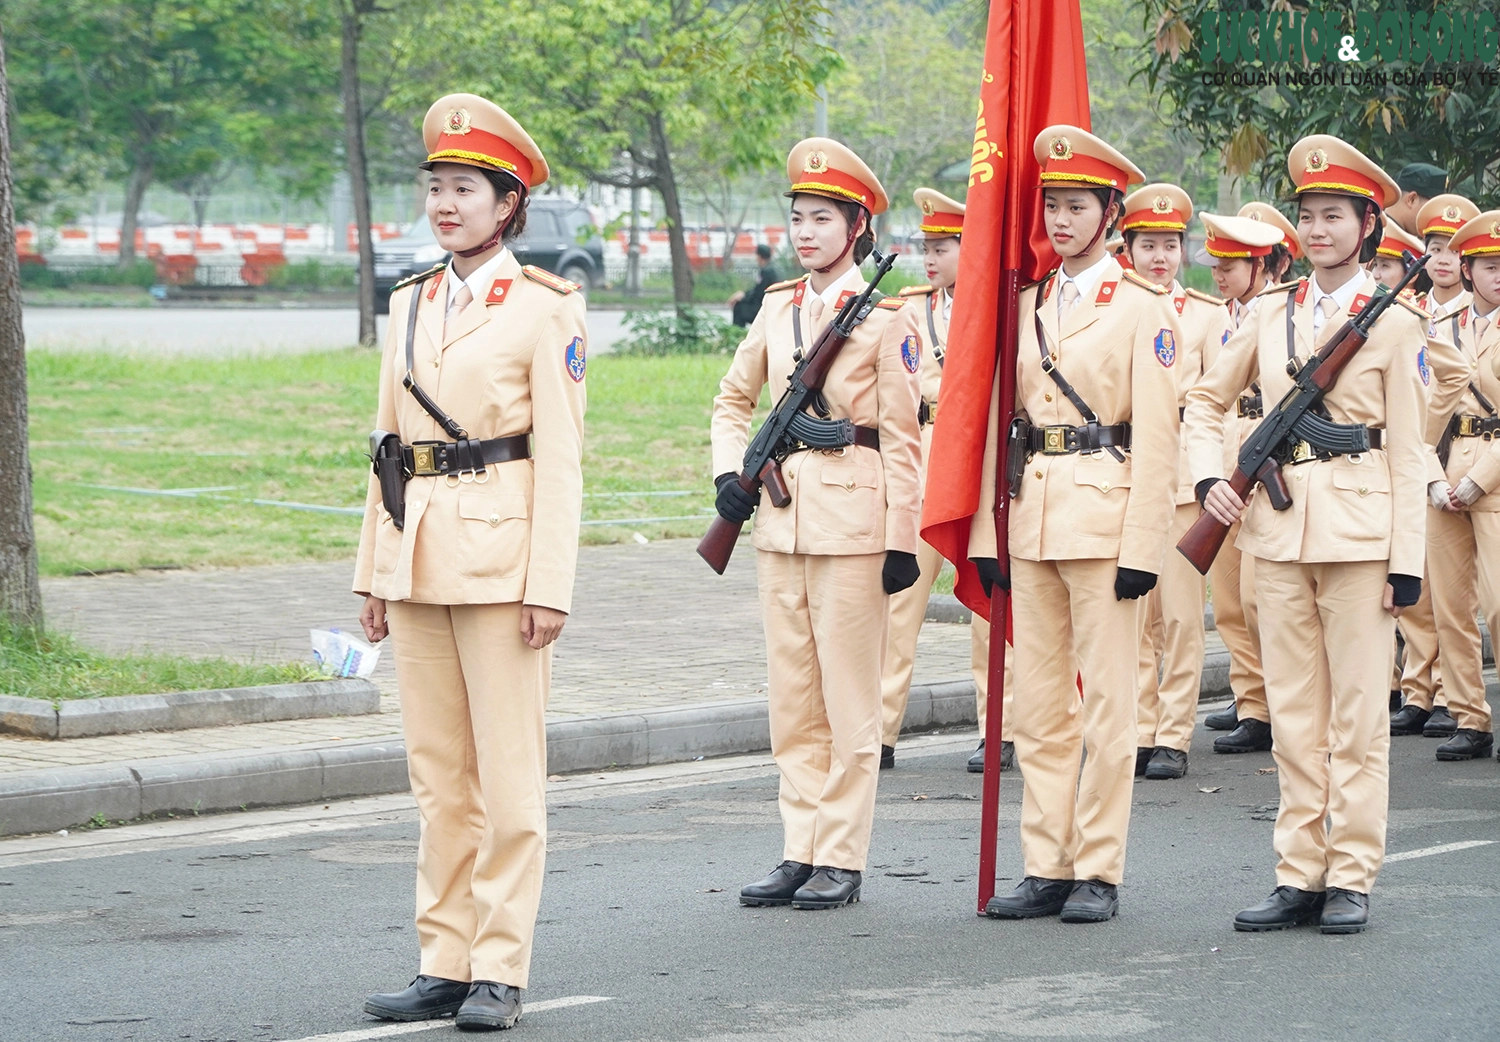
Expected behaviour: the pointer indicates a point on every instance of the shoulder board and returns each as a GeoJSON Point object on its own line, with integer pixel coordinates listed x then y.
{"type": "Point", "coordinates": [788, 284]}
{"type": "Point", "coordinates": [915, 291]}
{"type": "Point", "coordinates": [1131, 276]}
{"type": "Point", "coordinates": [556, 283]}
{"type": "Point", "coordinates": [1281, 287]}
{"type": "Point", "coordinates": [892, 303]}
{"type": "Point", "coordinates": [1415, 308]}
{"type": "Point", "coordinates": [421, 276]}
{"type": "Point", "coordinates": [1208, 298]}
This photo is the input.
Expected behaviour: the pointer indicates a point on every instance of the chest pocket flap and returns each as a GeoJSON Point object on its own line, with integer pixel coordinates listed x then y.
{"type": "Point", "coordinates": [1104, 474]}
{"type": "Point", "coordinates": [1361, 478]}
{"type": "Point", "coordinates": [493, 507]}
{"type": "Point", "coordinates": [848, 478]}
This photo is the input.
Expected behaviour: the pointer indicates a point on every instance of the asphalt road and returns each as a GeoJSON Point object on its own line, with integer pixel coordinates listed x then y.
{"type": "Point", "coordinates": [275, 924]}
{"type": "Point", "coordinates": [234, 331]}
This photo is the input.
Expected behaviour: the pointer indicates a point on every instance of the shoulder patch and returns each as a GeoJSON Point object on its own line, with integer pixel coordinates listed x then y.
{"type": "Point", "coordinates": [915, 291]}
{"type": "Point", "coordinates": [786, 284]}
{"type": "Point", "coordinates": [911, 352]}
{"type": "Point", "coordinates": [556, 283]}
{"type": "Point", "coordinates": [1130, 276]}
{"type": "Point", "coordinates": [891, 303]}
{"type": "Point", "coordinates": [1166, 348]}
{"type": "Point", "coordinates": [575, 359]}
{"type": "Point", "coordinates": [1207, 298]}
{"type": "Point", "coordinates": [421, 276]}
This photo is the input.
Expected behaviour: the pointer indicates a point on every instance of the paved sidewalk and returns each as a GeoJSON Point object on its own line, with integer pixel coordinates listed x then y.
{"type": "Point", "coordinates": [652, 629]}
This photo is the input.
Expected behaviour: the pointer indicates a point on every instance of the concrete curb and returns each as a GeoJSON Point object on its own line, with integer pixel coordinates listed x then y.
{"type": "Point", "coordinates": [179, 710]}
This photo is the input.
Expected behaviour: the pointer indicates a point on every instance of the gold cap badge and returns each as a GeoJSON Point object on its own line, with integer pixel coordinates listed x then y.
{"type": "Point", "coordinates": [1495, 230]}
{"type": "Point", "coordinates": [457, 121]}
{"type": "Point", "coordinates": [1317, 160]}
{"type": "Point", "coordinates": [1061, 149]}
{"type": "Point", "coordinates": [927, 207]}
{"type": "Point", "coordinates": [1161, 204]}
{"type": "Point", "coordinates": [1450, 213]}
{"type": "Point", "coordinates": [817, 162]}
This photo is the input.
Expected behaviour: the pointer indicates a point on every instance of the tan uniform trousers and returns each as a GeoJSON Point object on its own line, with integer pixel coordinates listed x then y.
{"type": "Point", "coordinates": [1325, 643]}
{"type": "Point", "coordinates": [1171, 647]}
{"type": "Point", "coordinates": [825, 619]}
{"type": "Point", "coordinates": [908, 610]}
{"type": "Point", "coordinates": [464, 671]}
{"type": "Point", "coordinates": [1067, 620]}
{"type": "Point", "coordinates": [1419, 675]}
{"type": "Point", "coordinates": [1463, 562]}
{"type": "Point", "coordinates": [1232, 580]}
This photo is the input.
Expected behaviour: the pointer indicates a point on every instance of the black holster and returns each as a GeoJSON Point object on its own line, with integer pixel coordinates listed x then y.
{"type": "Point", "coordinates": [1017, 451]}
{"type": "Point", "coordinates": [385, 458]}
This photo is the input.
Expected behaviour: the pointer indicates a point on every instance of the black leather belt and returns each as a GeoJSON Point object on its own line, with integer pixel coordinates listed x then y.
{"type": "Point", "coordinates": [1307, 452]}
{"type": "Point", "coordinates": [1060, 441]}
{"type": "Point", "coordinates": [1466, 426]}
{"type": "Point", "coordinates": [426, 459]}
{"type": "Point", "coordinates": [1251, 406]}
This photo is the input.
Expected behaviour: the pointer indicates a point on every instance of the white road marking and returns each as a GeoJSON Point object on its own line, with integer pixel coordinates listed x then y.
{"type": "Point", "coordinates": [388, 1030]}
{"type": "Point", "coordinates": [1445, 848]}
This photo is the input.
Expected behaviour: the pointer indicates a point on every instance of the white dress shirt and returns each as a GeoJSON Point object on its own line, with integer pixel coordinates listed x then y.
{"type": "Point", "coordinates": [479, 279]}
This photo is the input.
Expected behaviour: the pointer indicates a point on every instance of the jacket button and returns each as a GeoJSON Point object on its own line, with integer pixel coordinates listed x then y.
{"type": "Point", "coordinates": [849, 485]}
{"type": "Point", "coordinates": [1105, 486]}
{"type": "Point", "coordinates": [416, 504]}
{"type": "Point", "coordinates": [1046, 397]}
{"type": "Point", "coordinates": [494, 520]}
{"type": "Point", "coordinates": [1364, 490]}
{"type": "Point", "coordinates": [1038, 473]}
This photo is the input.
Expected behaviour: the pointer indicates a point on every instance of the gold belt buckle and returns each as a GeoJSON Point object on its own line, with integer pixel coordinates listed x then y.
{"type": "Point", "coordinates": [1468, 426]}
{"type": "Point", "coordinates": [1302, 452]}
{"type": "Point", "coordinates": [424, 459]}
{"type": "Point", "coordinates": [1055, 441]}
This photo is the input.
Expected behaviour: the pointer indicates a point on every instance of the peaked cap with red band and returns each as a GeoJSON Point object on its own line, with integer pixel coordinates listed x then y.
{"type": "Point", "coordinates": [823, 166]}
{"type": "Point", "coordinates": [1444, 214]}
{"type": "Point", "coordinates": [1323, 163]}
{"type": "Point", "coordinates": [1479, 235]}
{"type": "Point", "coordinates": [468, 129]}
{"type": "Point", "coordinates": [1230, 237]}
{"type": "Point", "coordinates": [1394, 240]}
{"type": "Point", "coordinates": [1159, 207]}
{"type": "Point", "coordinates": [1071, 157]}
{"type": "Point", "coordinates": [1274, 217]}
{"type": "Point", "coordinates": [941, 217]}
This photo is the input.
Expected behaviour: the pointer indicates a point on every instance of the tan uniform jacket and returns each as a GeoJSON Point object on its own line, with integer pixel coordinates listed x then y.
{"type": "Point", "coordinates": [1119, 350]}
{"type": "Point", "coordinates": [1355, 508]}
{"type": "Point", "coordinates": [1478, 459]}
{"type": "Point", "coordinates": [498, 369]}
{"type": "Point", "coordinates": [1441, 311]}
{"type": "Point", "coordinates": [1450, 371]}
{"type": "Point", "coordinates": [856, 501]}
{"type": "Point", "coordinates": [928, 304]}
{"type": "Point", "coordinates": [1205, 327]}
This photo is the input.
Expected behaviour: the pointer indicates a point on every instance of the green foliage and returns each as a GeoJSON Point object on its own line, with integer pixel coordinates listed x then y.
{"type": "Point", "coordinates": [313, 274]}
{"type": "Point", "coordinates": [40, 276]}
{"type": "Point", "coordinates": [54, 666]}
{"type": "Point", "coordinates": [1250, 129]}
{"type": "Point", "coordinates": [679, 331]}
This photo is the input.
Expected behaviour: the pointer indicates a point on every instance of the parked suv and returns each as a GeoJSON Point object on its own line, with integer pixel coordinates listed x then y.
{"type": "Point", "coordinates": [560, 236]}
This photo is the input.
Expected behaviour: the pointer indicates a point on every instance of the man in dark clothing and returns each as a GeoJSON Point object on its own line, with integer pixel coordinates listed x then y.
{"type": "Point", "coordinates": [746, 302]}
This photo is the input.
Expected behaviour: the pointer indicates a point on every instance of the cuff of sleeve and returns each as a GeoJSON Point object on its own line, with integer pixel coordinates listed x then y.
{"type": "Point", "coordinates": [902, 528]}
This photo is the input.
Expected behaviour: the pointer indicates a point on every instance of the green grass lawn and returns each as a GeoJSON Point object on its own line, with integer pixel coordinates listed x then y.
{"type": "Point", "coordinates": [293, 428]}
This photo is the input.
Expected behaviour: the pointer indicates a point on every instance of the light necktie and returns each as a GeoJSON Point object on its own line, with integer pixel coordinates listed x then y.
{"type": "Point", "coordinates": [461, 300]}
{"type": "Point", "coordinates": [1481, 323]}
{"type": "Point", "coordinates": [814, 319]}
{"type": "Point", "coordinates": [1068, 299]}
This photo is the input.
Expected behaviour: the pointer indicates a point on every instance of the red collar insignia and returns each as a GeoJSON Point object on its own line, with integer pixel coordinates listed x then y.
{"type": "Point", "coordinates": [1179, 302]}
{"type": "Point", "coordinates": [1106, 292]}
{"type": "Point", "coordinates": [798, 293]}
{"type": "Point", "coordinates": [498, 291]}
{"type": "Point", "coordinates": [1302, 285]}
{"type": "Point", "coordinates": [1359, 301]}
{"type": "Point", "coordinates": [844, 298]}
{"type": "Point", "coordinates": [432, 290]}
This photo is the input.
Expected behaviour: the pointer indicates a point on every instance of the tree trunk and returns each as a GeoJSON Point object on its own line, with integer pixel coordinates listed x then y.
{"type": "Point", "coordinates": [666, 184]}
{"type": "Point", "coordinates": [359, 184]}
{"type": "Point", "coordinates": [20, 591]}
{"type": "Point", "coordinates": [633, 254]}
{"type": "Point", "coordinates": [135, 192]}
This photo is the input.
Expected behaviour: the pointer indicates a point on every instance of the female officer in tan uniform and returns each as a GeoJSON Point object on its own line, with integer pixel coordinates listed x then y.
{"type": "Point", "coordinates": [827, 561]}
{"type": "Point", "coordinates": [476, 580]}
{"type": "Point", "coordinates": [939, 233]}
{"type": "Point", "coordinates": [1334, 569]}
{"type": "Point", "coordinates": [1171, 654]}
{"type": "Point", "coordinates": [1088, 530]}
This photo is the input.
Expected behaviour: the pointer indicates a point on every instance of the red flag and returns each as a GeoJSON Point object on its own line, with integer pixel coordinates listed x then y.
{"type": "Point", "coordinates": [1034, 76]}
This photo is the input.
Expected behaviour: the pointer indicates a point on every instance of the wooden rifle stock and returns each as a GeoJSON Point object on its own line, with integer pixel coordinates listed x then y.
{"type": "Point", "coordinates": [1203, 541]}
{"type": "Point", "coordinates": [717, 545]}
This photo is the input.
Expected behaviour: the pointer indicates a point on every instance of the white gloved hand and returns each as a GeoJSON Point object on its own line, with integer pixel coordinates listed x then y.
{"type": "Point", "coordinates": [1437, 494]}
{"type": "Point", "coordinates": [1467, 492]}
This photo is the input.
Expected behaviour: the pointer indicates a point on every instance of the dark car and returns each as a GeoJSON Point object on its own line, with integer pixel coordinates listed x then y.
{"type": "Point", "coordinates": [560, 236]}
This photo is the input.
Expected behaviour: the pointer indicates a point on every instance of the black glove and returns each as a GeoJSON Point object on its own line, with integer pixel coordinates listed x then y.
{"type": "Point", "coordinates": [1200, 490]}
{"type": "Point", "coordinates": [900, 571]}
{"type": "Point", "coordinates": [1130, 584]}
{"type": "Point", "coordinates": [1406, 590]}
{"type": "Point", "coordinates": [990, 575]}
{"type": "Point", "coordinates": [734, 503]}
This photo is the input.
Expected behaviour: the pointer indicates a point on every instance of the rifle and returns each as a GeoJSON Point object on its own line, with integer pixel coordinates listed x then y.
{"type": "Point", "coordinates": [771, 445]}
{"type": "Point", "coordinates": [1293, 418]}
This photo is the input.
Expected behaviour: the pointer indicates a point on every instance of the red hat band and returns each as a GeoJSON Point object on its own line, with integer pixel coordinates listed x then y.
{"type": "Point", "coordinates": [480, 146]}
{"type": "Point", "coordinates": [1085, 170]}
{"type": "Point", "coordinates": [942, 223]}
{"type": "Point", "coordinates": [1151, 221]}
{"type": "Point", "coordinates": [1221, 247]}
{"type": "Point", "coordinates": [1340, 179]}
{"type": "Point", "coordinates": [829, 181]}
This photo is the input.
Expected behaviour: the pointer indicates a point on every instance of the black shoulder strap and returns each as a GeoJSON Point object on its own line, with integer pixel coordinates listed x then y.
{"type": "Point", "coordinates": [1484, 403]}
{"type": "Point", "coordinates": [1090, 417]}
{"type": "Point", "coordinates": [937, 348]}
{"type": "Point", "coordinates": [448, 423]}
{"type": "Point", "coordinates": [1291, 329]}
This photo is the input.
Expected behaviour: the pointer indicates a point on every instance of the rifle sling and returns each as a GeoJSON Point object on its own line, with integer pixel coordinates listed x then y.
{"type": "Point", "coordinates": [448, 423]}
{"type": "Point", "coordinates": [1090, 417]}
{"type": "Point", "coordinates": [937, 348]}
